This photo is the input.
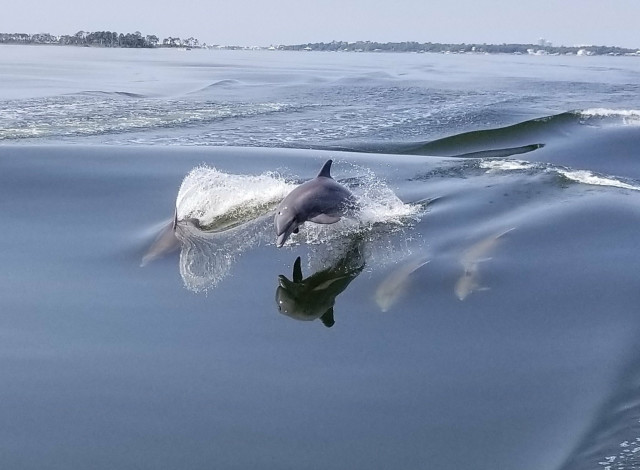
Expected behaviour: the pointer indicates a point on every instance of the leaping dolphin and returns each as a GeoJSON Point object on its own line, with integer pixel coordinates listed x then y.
{"type": "Point", "coordinates": [321, 200]}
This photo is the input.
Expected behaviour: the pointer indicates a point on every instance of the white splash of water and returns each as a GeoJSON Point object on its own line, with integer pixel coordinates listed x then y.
{"type": "Point", "coordinates": [207, 258]}
{"type": "Point", "coordinates": [377, 205]}
{"type": "Point", "coordinates": [217, 199]}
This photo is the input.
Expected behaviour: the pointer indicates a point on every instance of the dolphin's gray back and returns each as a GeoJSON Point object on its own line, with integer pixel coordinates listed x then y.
{"type": "Point", "coordinates": [323, 195]}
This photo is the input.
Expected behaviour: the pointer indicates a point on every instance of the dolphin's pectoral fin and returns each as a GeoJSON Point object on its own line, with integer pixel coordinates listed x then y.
{"type": "Point", "coordinates": [296, 230]}
{"type": "Point", "coordinates": [324, 219]}
{"type": "Point", "coordinates": [421, 263]}
{"type": "Point", "coordinates": [326, 284]}
{"type": "Point", "coordinates": [327, 319]}
{"type": "Point", "coordinates": [297, 271]}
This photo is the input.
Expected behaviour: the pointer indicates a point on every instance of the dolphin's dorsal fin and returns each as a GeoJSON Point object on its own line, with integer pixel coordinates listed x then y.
{"type": "Point", "coordinates": [175, 219]}
{"type": "Point", "coordinates": [297, 271]}
{"type": "Point", "coordinates": [327, 319]}
{"type": "Point", "coordinates": [326, 169]}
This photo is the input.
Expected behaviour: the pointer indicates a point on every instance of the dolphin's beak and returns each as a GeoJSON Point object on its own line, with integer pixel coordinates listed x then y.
{"type": "Point", "coordinates": [283, 281]}
{"type": "Point", "coordinates": [282, 238]}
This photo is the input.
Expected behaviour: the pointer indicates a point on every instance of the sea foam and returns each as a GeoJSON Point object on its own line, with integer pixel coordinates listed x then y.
{"type": "Point", "coordinates": [506, 165]}
{"type": "Point", "coordinates": [578, 176]}
{"type": "Point", "coordinates": [630, 117]}
{"type": "Point", "coordinates": [588, 177]}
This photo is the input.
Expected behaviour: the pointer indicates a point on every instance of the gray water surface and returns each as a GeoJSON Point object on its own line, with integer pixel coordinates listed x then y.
{"type": "Point", "coordinates": [514, 346]}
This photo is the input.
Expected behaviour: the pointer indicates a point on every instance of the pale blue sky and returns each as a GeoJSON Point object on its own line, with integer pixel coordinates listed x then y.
{"type": "Point", "coordinates": [263, 22]}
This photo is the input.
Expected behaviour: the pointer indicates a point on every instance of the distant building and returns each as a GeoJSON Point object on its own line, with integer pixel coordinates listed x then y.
{"type": "Point", "coordinates": [542, 42]}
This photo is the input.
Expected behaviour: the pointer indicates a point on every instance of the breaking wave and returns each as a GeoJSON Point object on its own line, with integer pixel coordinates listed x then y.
{"type": "Point", "coordinates": [591, 178]}
{"type": "Point", "coordinates": [586, 177]}
{"type": "Point", "coordinates": [625, 116]}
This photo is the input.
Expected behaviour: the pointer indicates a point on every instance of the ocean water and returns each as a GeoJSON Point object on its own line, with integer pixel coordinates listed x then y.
{"type": "Point", "coordinates": [484, 299]}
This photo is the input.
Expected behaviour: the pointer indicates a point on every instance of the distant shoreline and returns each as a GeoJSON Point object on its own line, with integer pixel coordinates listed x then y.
{"type": "Point", "coordinates": [108, 39]}
{"type": "Point", "coordinates": [544, 48]}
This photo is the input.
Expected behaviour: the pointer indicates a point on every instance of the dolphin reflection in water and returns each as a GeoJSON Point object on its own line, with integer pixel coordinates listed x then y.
{"type": "Point", "coordinates": [469, 281]}
{"type": "Point", "coordinates": [313, 297]}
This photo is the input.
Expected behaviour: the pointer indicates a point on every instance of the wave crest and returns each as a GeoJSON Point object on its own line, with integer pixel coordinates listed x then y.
{"type": "Point", "coordinates": [591, 178]}
{"type": "Point", "coordinates": [629, 117]}
{"type": "Point", "coordinates": [587, 177]}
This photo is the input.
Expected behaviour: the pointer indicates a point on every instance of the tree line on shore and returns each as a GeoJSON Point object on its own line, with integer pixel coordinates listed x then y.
{"type": "Point", "coordinates": [412, 46]}
{"type": "Point", "coordinates": [100, 39]}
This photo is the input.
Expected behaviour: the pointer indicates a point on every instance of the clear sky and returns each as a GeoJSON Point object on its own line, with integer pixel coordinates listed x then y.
{"type": "Point", "coordinates": [264, 22]}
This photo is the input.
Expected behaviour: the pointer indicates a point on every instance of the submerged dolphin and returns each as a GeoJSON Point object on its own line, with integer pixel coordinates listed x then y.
{"type": "Point", "coordinates": [470, 260]}
{"type": "Point", "coordinates": [314, 297]}
{"type": "Point", "coordinates": [164, 243]}
{"type": "Point", "coordinates": [167, 240]}
{"type": "Point", "coordinates": [395, 284]}
{"type": "Point", "coordinates": [321, 200]}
